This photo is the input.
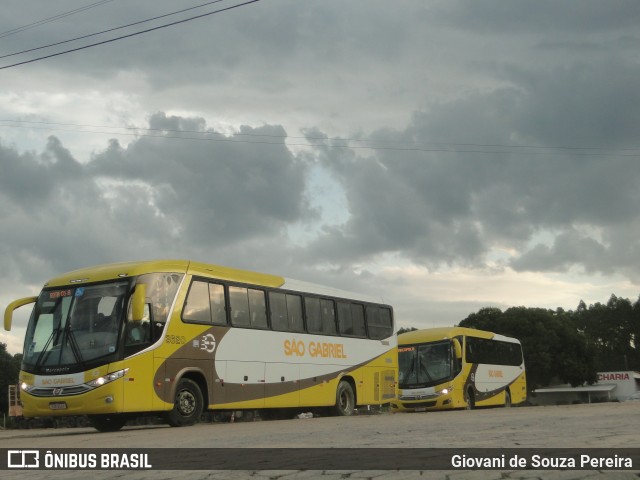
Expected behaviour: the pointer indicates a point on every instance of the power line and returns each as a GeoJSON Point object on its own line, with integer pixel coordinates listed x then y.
{"type": "Point", "coordinates": [51, 19]}
{"type": "Point", "coordinates": [131, 34]}
{"type": "Point", "coordinates": [429, 148]}
{"type": "Point", "coordinates": [110, 30]}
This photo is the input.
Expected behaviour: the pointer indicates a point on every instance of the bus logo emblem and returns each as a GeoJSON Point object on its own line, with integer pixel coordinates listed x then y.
{"type": "Point", "coordinates": [208, 343]}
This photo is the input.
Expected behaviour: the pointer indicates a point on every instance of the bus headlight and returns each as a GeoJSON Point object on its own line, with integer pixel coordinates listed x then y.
{"type": "Point", "coordinates": [98, 382]}
{"type": "Point", "coordinates": [444, 391]}
{"type": "Point", "coordinates": [25, 387]}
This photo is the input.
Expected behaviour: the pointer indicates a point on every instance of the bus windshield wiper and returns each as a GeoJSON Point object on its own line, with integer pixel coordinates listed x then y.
{"type": "Point", "coordinates": [45, 351]}
{"type": "Point", "coordinates": [74, 344]}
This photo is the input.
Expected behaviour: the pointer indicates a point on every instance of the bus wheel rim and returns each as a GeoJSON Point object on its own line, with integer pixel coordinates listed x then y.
{"type": "Point", "coordinates": [186, 402]}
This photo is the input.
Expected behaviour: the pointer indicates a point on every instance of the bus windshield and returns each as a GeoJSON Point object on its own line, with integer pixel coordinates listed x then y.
{"type": "Point", "coordinates": [424, 365]}
{"type": "Point", "coordinates": [71, 326]}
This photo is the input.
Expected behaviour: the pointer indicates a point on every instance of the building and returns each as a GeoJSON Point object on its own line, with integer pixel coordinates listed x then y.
{"type": "Point", "coordinates": [610, 387]}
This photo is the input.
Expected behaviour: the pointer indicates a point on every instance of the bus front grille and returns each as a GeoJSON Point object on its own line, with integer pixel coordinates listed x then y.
{"type": "Point", "coordinates": [59, 392]}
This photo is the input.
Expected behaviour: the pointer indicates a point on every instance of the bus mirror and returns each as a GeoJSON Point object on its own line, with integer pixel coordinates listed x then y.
{"type": "Point", "coordinates": [457, 348]}
{"type": "Point", "coordinates": [8, 312]}
{"type": "Point", "coordinates": [138, 301]}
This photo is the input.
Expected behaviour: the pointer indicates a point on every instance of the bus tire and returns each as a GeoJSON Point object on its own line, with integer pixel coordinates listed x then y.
{"type": "Point", "coordinates": [188, 404]}
{"type": "Point", "coordinates": [108, 423]}
{"type": "Point", "coordinates": [345, 400]}
{"type": "Point", "coordinates": [507, 399]}
{"type": "Point", "coordinates": [471, 399]}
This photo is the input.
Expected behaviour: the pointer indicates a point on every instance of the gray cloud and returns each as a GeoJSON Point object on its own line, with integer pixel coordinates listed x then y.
{"type": "Point", "coordinates": [468, 84]}
{"type": "Point", "coordinates": [491, 189]}
{"type": "Point", "coordinates": [518, 18]}
{"type": "Point", "coordinates": [568, 249]}
{"type": "Point", "coordinates": [156, 197]}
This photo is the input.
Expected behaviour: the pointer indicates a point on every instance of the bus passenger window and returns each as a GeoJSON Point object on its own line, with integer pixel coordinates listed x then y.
{"type": "Point", "coordinates": [379, 322]}
{"type": "Point", "coordinates": [344, 319]}
{"type": "Point", "coordinates": [218, 309]}
{"type": "Point", "coordinates": [328, 316]}
{"type": "Point", "coordinates": [357, 317]}
{"type": "Point", "coordinates": [314, 317]}
{"type": "Point", "coordinates": [294, 309]}
{"type": "Point", "coordinates": [197, 307]}
{"type": "Point", "coordinates": [138, 333]}
{"type": "Point", "coordinates": [239, 303]}
{"type": "Point", "coordinates": [351, 319]}
{"type": "Point", "coordinates": [278, 305]}
{"type": "Point", "coordinates": [257, 309]}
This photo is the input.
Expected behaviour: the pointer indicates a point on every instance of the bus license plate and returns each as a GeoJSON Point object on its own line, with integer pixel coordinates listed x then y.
{"type": "Point", "coordinates": [58, 405]}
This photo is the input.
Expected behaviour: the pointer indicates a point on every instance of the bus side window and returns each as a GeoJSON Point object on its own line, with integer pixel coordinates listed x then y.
{"type": "Point", "coordinates": [357, 316]}
{"type": "Point", "coordinates": [217, 302]}
{"type": "Point", "coordinates": [197, 307]}
{"type": "Point", "coordinates": [239, 303]}
{"type": "Point", "coordinates": [351, 319]}
{"type": "Point", "coordinates": [294, 310]}
{"type": "Point", "coordinates": [379, 322]}
{"type": "Point", "coordinates": [345, 321]}
{"type": "Point", "coordinates": [278, 306]}
{"type": "Point", "coordinates": [328, 316]}
{"type": "Point", "coordinates": [286, 312]}
{"type": "Point", "coordinates": [257, 308]}
{"type": "Point", "coordinates": [139, 333]}
{"type": "Point", "coordinates": [314, 317]}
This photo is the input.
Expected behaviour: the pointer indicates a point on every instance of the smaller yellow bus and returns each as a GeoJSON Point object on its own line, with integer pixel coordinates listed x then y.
{"type": "Point", "coordinates": [457, 367]}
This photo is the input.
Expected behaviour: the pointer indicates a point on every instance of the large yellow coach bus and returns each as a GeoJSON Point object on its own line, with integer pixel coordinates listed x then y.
{"type": "Point", "coordinates": [447, 368]}
{"type": "Point", "coordinates": [180, 337]}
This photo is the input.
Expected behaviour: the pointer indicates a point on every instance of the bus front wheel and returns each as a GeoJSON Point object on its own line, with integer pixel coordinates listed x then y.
{"type": "Point", "coordinates": [345, 400]}
{"type": "Point", "coordinates": [188, 404]}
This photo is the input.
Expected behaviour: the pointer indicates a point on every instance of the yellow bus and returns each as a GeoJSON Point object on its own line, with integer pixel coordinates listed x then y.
{"type": "Point", "coordinates": [179, 337]}
{"type": "Point", "coordinates": [447, 368]}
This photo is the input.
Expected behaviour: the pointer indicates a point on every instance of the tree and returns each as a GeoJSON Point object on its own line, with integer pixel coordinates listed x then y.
{"type": "Point", "coordinates": [614, 330]}
{"type": "Point", "coordinates": [9, 371]}
{"type": "Point", "coordinates": [405, 330]}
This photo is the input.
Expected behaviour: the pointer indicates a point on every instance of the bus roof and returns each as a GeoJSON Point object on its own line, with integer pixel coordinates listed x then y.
{"type": "Point", "coordinates": [113, 271]}
{"type": "Point", "coordinates": [435, 334]}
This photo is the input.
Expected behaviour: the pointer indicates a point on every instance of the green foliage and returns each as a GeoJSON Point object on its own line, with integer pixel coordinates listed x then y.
{"type": "Point", "coordinates": [614, 329]}
{"type": "Point", "coordinates": [405, 330]}
{"type": "Point", "coordinates": [569, 347]}
{"type": "Point", "coordinates": [9, 370]}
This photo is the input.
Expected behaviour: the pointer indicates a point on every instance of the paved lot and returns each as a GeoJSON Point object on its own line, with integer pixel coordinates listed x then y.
{"type": "Point", "coordinates": [606, 425]}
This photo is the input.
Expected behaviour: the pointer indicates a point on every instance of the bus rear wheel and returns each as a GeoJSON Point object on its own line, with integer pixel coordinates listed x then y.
{"type": "Point", "coordinates": [188, 404]}
{"type": "Point", "coordinates": [345, 400]}
{"type": "Point", "coordinates": [471, 399]}
{"type": "Point", "coordinates": [507, 399]}
{"type": "Point", "coordinates": [107, 423]}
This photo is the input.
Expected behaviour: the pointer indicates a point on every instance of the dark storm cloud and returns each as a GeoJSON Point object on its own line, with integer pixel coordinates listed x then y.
{"type": "Point", "coordinates": [479, 184]}
{"type": "Point", "coordinates": [215, 189]}
{"type": "Point", "coordinates": [568, 249]}
{"type": "Point", "coordinates": [50, 211]}
{"type": "Point", "coordinates": [485, 79]}
{"type": "Point", "coordinates": [157, 197]}
{"type": "Point", "coordinates": [541, 16]}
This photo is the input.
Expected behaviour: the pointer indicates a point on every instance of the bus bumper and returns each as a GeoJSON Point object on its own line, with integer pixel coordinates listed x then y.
{"type": "Point", "coordinates": [427, 403]}
{"type": "Point", "coordinates": [105, 399]}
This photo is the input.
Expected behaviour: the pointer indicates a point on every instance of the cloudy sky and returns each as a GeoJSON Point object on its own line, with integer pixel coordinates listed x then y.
{"type": "Point", "coordinates": [442, 155]}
